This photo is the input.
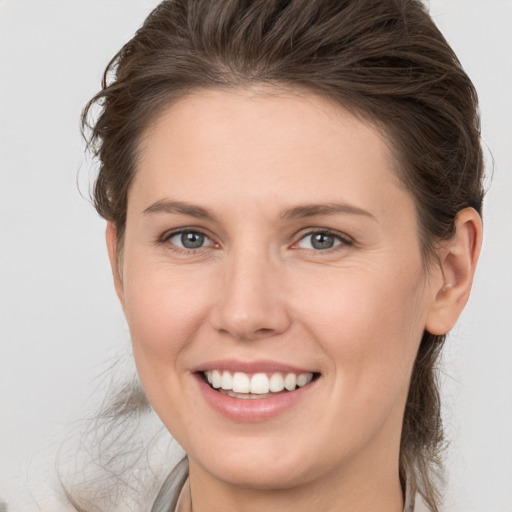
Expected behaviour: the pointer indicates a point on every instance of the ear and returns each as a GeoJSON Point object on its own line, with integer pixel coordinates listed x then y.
{"type": "Point", "coordinates": [458, 258]}
{"type": "Point", "coordinates": [114, 257]}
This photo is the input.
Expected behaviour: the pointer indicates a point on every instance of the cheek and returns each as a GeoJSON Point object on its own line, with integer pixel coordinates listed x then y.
{"type": "Point", "coordinates": [370, 324]}
{"type": "Point", "coordinates": [164, 311]}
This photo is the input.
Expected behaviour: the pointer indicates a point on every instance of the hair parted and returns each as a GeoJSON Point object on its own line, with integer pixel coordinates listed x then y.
{"type": "Point", "coordinates": [383, 60]}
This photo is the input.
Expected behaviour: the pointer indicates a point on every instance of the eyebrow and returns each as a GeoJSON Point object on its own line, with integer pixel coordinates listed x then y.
{"type": "Point", "coordinates": [168, 206]}
{"type": "Point", "coordinates": [296, 212]}
{"type": "Point", "coordinates": [311, 210]}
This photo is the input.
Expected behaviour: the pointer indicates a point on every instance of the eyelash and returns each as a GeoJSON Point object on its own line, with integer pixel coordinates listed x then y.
{"type": "Point", "coordinates": [166, 237]}
{"type": "Point", "coordinates": [341, 239]}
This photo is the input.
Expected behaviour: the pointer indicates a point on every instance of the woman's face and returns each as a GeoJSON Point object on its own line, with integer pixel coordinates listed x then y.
{"type": "Point", "coordinates": [269, 237]}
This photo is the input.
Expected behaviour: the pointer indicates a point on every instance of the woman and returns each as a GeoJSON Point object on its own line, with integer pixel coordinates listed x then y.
{"type": "Point", "coordinates": [293, 194]}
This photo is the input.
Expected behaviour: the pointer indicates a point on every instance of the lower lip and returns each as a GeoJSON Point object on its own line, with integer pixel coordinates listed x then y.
{"type": "Point", "coordinates": [252, 410]}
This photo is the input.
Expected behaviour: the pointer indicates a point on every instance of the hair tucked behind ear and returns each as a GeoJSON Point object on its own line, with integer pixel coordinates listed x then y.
{"type": "Point", "coordinates": [384, 60]}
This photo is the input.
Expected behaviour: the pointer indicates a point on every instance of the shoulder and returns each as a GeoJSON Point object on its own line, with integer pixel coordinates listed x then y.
{"type": "Point", "coordinates": [167, 498]}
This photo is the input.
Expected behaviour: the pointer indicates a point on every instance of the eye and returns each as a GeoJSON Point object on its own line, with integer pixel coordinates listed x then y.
{"type": "Point", "coordinates": [321, 241]}
{"type": "Point", "coordinates": [189, 240]}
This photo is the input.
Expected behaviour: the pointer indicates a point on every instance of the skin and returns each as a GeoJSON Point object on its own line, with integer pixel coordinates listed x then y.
{"type": "Point", "coordinates": [257, 289]}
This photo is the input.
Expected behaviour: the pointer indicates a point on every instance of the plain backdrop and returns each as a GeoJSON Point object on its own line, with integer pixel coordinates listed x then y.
{"type": "Point", "coordinates": [59, 316]}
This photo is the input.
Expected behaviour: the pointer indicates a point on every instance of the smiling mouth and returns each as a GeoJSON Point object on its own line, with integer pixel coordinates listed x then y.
{"type": "Point", "coordinates": [257, 385]}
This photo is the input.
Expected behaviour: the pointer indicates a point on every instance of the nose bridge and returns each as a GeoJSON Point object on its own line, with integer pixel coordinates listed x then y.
{"type": "Point", "coordinates": [251, 303]}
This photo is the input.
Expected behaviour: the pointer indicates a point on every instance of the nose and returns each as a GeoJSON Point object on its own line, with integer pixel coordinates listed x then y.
{"type": "Point", "coordinates": [252, 303]}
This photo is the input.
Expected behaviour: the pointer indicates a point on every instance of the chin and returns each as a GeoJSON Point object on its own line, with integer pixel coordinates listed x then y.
{"type": "Point", "coordinates": [260, 465]}
{"type": "Point", "coordinates": [248, 474]}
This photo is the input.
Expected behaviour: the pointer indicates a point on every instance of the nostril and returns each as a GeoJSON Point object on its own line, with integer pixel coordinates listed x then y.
{"type": "Point", "coordinates": [248, 334]}
{"type": "Point", "coordinates": [265, 330]}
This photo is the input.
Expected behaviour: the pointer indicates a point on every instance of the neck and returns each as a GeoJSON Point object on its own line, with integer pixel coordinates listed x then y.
{"type": "Point", "coordinates": [363, 486]}
{"type": "Point", "coordinates": [385, 498]}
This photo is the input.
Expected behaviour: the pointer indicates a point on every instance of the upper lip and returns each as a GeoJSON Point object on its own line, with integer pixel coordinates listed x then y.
{"type": "Point", "coordinates": [255, 366]}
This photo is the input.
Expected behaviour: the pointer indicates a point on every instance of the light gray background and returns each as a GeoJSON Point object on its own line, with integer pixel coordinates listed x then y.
{"type": "Point", "coordinates": [59, 315]}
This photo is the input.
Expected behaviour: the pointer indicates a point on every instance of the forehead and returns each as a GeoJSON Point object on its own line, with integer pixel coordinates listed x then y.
{"type": "Point", "coordinates": [265, 144]}
{"type": "Point", "coordinates": [260, 114]}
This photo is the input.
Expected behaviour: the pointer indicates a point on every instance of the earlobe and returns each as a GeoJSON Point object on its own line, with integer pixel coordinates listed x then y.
{"type": "Point", "coordinates": [458, 259]}
{"type": "Point", "coordinates": [113, 255]}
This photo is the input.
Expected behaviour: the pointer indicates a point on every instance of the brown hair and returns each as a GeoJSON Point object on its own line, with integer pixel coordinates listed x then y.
{"type": "Point", "coordinates": [384, 60]}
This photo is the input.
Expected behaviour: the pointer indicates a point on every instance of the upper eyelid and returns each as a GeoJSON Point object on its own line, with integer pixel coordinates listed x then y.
{"type": "Point", "coordinates": [164, 240]}
{"type": "Point", "coordinates": [311, 231]}
{"type": "Point", "coordinates": [177, 231]}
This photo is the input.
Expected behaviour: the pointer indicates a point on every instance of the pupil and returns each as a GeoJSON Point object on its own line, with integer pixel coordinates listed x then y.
{"type": "Point", "coordinates": [322, 241]}
{"type": "Point", "coordinates": [192, 240]}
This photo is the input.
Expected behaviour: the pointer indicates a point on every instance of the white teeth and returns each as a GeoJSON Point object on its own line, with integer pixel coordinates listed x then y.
{"type": "Point", "coordinates": [227, 381]}
{"type": "Point", "coordinates": [216, 379]}
{"type": "Point", "coordinates": [245, 396]}
{"type": "Point", "coordinates": [276, 383]}
{"type": "Point", "coordinates": [303, 379]}
{"type": "Point", "coordinates": [257, 384]}
{"type": "Point", "coordinates": [290, 381]}
{"type": "Point", "coordinates": [241, 383]}
{"type": "Point", "coordinates": [260, 384]}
